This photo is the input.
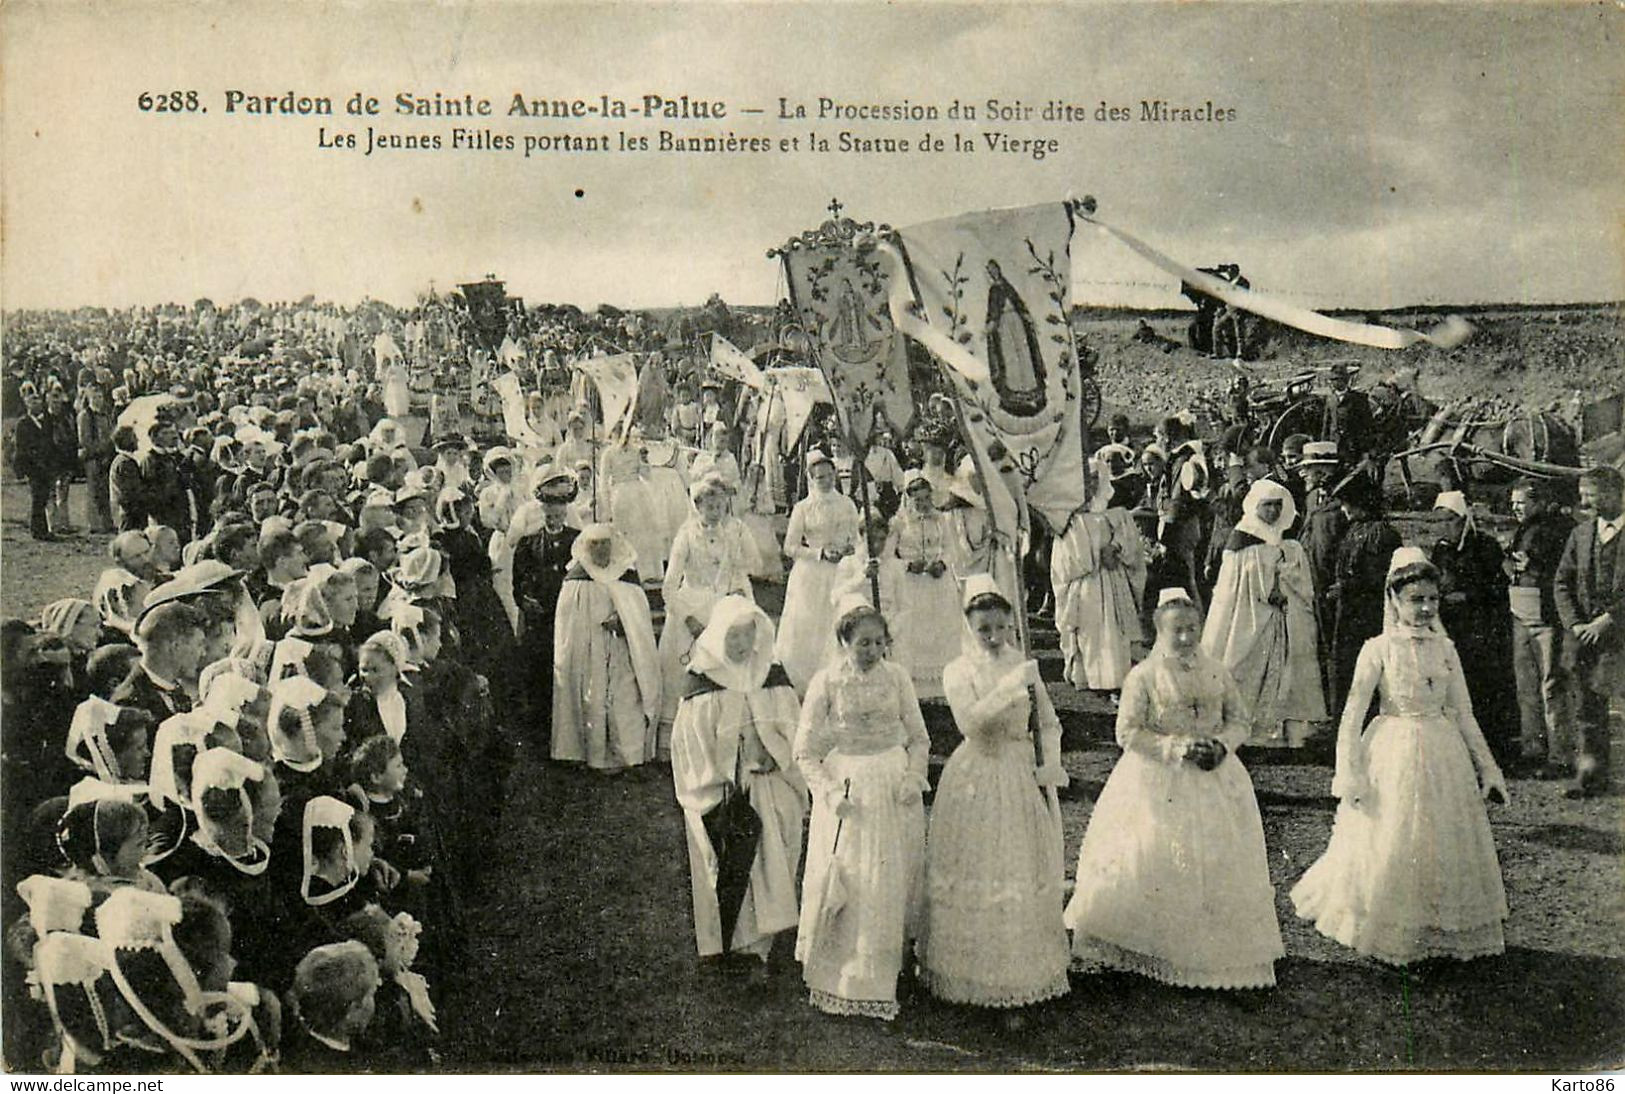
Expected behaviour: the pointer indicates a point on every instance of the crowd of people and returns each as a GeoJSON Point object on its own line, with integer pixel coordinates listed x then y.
{"type": "Point", "coordinates": [249, 776]}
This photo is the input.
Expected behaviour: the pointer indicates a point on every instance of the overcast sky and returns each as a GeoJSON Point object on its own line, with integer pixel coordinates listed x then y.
{"type": "Point", "coordinates": [1382, 155]}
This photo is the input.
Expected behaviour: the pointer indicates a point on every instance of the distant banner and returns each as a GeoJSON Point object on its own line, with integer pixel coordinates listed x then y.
{"type": "Point", "coordinates": [1448, 335]}
{"type": "Point", "coordinates": [732, 362]}
{"type": "Point", "coordinates": [617, 382]}
{"type": "Point", "coordinates": [839, 292]}
{"type": "Point", "coordinates": [514, 421]}
{"type": "Point", "coordinates": [510, 353]}
{"type": "Point", "coordinates": [988, 294]}
{"type": "Point", "coordinates": [799, 389]}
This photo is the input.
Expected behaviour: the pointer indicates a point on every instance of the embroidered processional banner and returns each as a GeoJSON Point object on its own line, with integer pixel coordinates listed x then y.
{"type": "Point", "coordinates": [988, 293]}
{"type": "Point", "coordinates": [839, 290]}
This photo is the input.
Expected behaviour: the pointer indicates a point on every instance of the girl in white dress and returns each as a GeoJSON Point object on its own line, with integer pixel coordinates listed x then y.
{"type": "Point", "coordinates": [715, 457]}
{"type": "Point", "coordinates": [711, 558]}
{"type": "Point", "coordinates": [1410, 872]}
{"type": "Point", "coordinates": [921, 542]}
{"type": "Point", "coordinates": [498, 497]}
{"type": "Point", "coordinates": [824, 528]}
{"type": "Point", "coordinates": [735, 728]}
{"type": "Point", "coordinates": [993, 935]}
{"type": "Point", "coordinates": [1262, 624]}
{"type": "Point", "coordinates": [1097, 569]}
{"type": "Point", "coordinates": [863, 750]}
{"type": "Point", "coordinates": [1172, 880]}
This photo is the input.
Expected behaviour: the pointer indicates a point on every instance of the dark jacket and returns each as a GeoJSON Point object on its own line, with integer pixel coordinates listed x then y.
{"type": "Point", "coordinates": [1582, 596]}
{"type": "Point", "coordinates": [34, 451]}
{"type": "Point", "coordinates": [1542, 540]}
{"type": "Point", "coordinates": [1348, 421]}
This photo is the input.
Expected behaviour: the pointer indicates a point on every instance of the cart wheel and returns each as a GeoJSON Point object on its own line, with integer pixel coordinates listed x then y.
{"type": "Point", "coordinates": [1301, 417]}
{"type": "Point", "coordinates": [1089, 403]}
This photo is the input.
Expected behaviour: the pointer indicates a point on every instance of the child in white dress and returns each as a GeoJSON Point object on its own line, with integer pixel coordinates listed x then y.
{"type": "Point", "coordinates": [863, 750]}
{"type": "Point", "coordinates": [711, 558]}
{"type": "Point", "coordinates": [1172, 879]}
{"type": "Point", "coordinates": [1410, 872]}
{"type": "Point", "coordinates": [824, 528]}
{"type": "Point", "coordinates": [920, 548]}
{"type": "Point", "coordinates": [993, 935]}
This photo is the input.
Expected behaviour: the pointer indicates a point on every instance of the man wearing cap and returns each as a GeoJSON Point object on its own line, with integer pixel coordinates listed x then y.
{"type": "Point", "coordinates": [1346, 416]}
{"type": "Point", "coordinates": [1322, 527]}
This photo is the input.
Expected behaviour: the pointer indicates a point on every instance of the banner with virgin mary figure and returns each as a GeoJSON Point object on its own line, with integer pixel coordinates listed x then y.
{"type": "Point", "coordinates": [988, 294]}
{"type": "Point", "coordinates": [839, 291]}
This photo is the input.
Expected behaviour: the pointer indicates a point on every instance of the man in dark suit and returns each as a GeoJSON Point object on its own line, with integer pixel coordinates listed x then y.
{"type": "Point", "coordinates": [164, 681]}
{"type": "Point", "coordinates": [1589, 588]}
{"type": "Point", "coordinates": [35, 460]}
{"type": "Point", "coordinates": [1346, 417]}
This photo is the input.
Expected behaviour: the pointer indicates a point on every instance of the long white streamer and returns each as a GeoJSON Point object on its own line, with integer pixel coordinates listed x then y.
{"type": "Point", "coordinates": [1449, 334]}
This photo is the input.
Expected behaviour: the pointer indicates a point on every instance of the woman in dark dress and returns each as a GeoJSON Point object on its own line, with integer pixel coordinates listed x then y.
{"type": "Point", "coordinates": [1359, 577]}
{"type": "Point", "coordinates": [542, 545]}
{"type": "Point", "coordinates": [1477, 617]}
{"type": "Point", "coordinates": [484, 640]}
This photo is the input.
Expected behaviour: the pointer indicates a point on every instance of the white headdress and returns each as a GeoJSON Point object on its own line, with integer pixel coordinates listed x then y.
{"type": "Point", "coordinates": [1455, 501]}
{"type": "Point", "coordinates": [300, 694]}
{"type": "Point", "coordinates": [188, 730]}
{"type": "Point", "coordinates": [289, 658]}
{"type": "Point", "coordinates": [54, 903]}
{"type": "Point", "coordinates": [327, 812]}
{"type": "Point", "coordinates": [112, 599]}
{"type": "Point", "coordinates": [980, 585]}
{"type": "Point", "coordinates": [622, 555]}
{"type": "Point", "coordinates": [1262, 491]}
{"type": "Point", "coordinates": [709, 652]}
{"type": "Point", "coordinates": [223, 769]}
{"type": "Point", "coordinates": [87, 738]}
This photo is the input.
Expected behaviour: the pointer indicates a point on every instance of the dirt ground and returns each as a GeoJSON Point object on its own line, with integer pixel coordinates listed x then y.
{"type": "Point", "coordinates": [582, 956]}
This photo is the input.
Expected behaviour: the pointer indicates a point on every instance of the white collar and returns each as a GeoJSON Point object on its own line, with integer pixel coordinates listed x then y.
{"type": "Point", "coordinates": [331, 1042]}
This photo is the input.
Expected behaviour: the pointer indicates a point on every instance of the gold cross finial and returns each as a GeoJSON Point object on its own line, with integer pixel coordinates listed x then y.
{"type": "Point", "coordinates": [835, 207]}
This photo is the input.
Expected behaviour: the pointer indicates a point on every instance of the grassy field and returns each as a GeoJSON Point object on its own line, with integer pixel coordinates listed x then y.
{"type": "Point", "coordinates": [582, 956]}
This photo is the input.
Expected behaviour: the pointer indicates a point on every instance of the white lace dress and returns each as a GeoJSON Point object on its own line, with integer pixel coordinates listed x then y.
{"type": "Point", "coordinates": [861, 737]}
{"type": "Point", "coordinates": [993, 935]}
{"type": "Point", "coordinates": [926, 633]}
{"type": "Point", "coordinates": [706, 564]}
{"type": "Point", "coordinates": [818, 523]}
{"type": "Point", "coordinates": [1172, 878]}
{"type": "Point", "coordinates": [1411, 870]}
